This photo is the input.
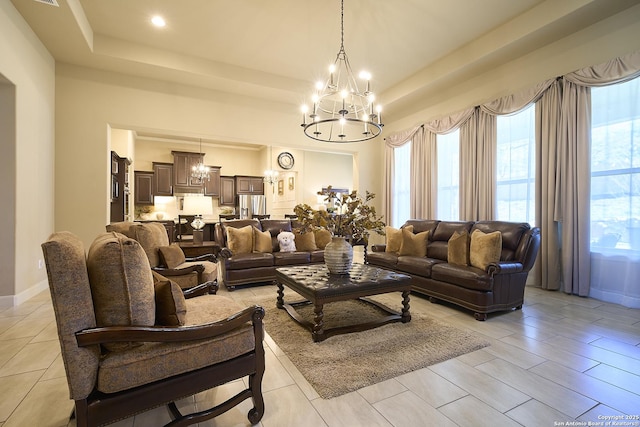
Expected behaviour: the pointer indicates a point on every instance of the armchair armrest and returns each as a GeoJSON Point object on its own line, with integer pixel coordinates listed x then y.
{"type": "Point", "coordinates": [504, 268]}
{"type": "Point", "coordinates": [107, 334]}
{"type": "Point", "coordinates": [379, 247]}
{"type": "Point", "coordinates": [199, 268]}
{"type": "Point", "coordinates": [210, 287]}
{"type": "Point", "coordinates": [205, 257]}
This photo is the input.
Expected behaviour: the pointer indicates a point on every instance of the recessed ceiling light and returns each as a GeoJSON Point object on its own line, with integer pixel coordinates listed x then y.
{"type": "Point", "coordinates": [158, 21]}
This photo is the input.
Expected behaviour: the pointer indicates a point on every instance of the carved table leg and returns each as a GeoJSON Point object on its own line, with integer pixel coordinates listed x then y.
{"type": "Point", "coordinates": [406, 315]}
{"type": "Point", "coordinates": [318, 324]}
{"type": "Point", "coordinates": [280, 301]}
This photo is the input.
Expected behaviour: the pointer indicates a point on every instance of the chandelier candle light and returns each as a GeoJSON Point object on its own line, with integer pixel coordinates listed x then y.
{"type": "Point", "coordinates": [340, 112]}
{"type": "Point", "coordinates": [200, 172]}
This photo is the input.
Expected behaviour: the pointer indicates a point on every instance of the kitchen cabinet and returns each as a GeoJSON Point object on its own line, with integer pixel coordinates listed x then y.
{"type": "Point", "coordinates": [212, 187]}
{"type": "Point", "coordinates": [227, 191]}
{"type": "Point", "coordinates": [249, 185]}
{"type": "Point", "coordinates": [183, 162]}
{"type": "Point", "coordinates": [143, 188]}
{"type": "Point", "coordinates": [162, 179]}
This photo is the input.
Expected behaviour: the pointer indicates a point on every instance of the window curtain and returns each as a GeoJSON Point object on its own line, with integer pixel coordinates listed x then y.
{"type": "Point", "coordinates": [574, 165]}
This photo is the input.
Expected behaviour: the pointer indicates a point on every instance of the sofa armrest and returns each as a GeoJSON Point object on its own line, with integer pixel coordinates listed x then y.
{"type": "Point", "coordinates": [225, 253]}
{"type": "Point", "coordinates": [504, 268]}
{"type": "Point", "coordinates": [107, 334]}
{"type": "Point", "coordinates": [379, 247]}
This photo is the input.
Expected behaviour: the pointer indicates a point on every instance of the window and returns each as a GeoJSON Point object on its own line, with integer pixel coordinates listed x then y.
{"type": "Point", "coordinates": [400, 203]}
{"type": "Point", "coordinates": [615, 166]}
{"type": "Point", "coordinates": [448, 202]}
{"type": "Point", "coordinates": [515, 164]}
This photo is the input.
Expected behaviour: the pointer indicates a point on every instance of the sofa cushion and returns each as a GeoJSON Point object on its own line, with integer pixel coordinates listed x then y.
{"type": "Point", "coordinates": [291, 258]}
{"type": "Point", "coordinates": [316, 256]}
{"type": "Point", "coordinates": [121, 284]}
{"type": "Point", "coordinates": [171, 256]}
{"type": "Point", "coordinates": [413, 244]}
{"type": "Point", "coordinates": [152, 236]}
{"type": "Point", "coordinates": [458, 248]}
{"type": "Point", "coordinates": [393, 238]}
{"type": "Point", "coordinates": [123, 227]}
{"type": "Point", "coordinates": [222, 227]}
{"type": "Point", "coordinates": [240, 240]}
{"type": "Point", "coordinates": [419, 266]}
{"type": "Point", "coordinates": [323, 237]}
{"type": "Point", "coordinates": [383, 259]}
{"type": "Point", "coordinates": [156, 361]}
{"type": "Point", "coordinates": [171, 308]}
{"type": "Point", "coordinates": [261, 241]}
{"type": "Point", "coordinates": [274, 227]}
{"type": "Point", "coordinates": [305, 242]}
{"type": "Point", "coordinates": [252, 260]}
{"type": "Point", "coordinates": [485, 248]}
{"type": "Point", "coordinates": [467, 277]}
{"type": "Point", "coordinates": [512, 233]}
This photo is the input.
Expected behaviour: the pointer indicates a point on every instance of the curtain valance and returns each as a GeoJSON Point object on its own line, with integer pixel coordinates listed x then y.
{"type": "Point", "coordinates": [450, 123]}
{"type": "Point", "coordinates": [617, 70]}
{"type": "Point", "coordinates": [398, 139]}
{"type": "Point", "coordinates": [516, 102]}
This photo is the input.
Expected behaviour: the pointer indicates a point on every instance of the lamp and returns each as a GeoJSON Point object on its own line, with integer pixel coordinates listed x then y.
{"type": "Point", "coordinates": [270, 176]}
{"type": "Point", "coordinates": [197, 206]}
{"type": "Point", "coordinates": [340, 112]}
{"type": "Point", "coordinates": [199, 171]}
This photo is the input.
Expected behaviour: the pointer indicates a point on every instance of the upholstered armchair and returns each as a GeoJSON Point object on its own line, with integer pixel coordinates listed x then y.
{"type": "Point", "coordinates": [196, 274]}
{"type": "Point", "coordinates": [129, 344]}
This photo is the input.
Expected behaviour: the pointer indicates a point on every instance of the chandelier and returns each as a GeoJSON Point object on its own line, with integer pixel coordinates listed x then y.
{"type": "Point", "coordinates": [270, 176]}
{"type": "Point", "coordinates": [340, 112]}
{"type": "Point", "coordinates": [200, 172]}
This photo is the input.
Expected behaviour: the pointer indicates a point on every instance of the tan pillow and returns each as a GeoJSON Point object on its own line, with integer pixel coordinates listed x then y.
{"type": "Point", "coordinates": [262, 241]}
{"type": "Point", "coordinates": [485, 248]}
{"type": "Point", "coordinates": [151, 235]}
{"type": "Point", "coordinates": [413, 244]}
{"type": "Point", "coordinates": [172, 255]}
{"type": "Point", "coordinates": [121, 284]}
{"type": "Point", "coordinates": [305, 242]}
{"type": "Point", "coordinates": [240, 240]}
{"type": "Point", "coordinates": [171, 308]}
{"type": "Point", "coordinates": [394, 238]}
{"type": "Point", "coordinates": [458, 248]}
{"type": "Point", "coordinates": [323, 237]}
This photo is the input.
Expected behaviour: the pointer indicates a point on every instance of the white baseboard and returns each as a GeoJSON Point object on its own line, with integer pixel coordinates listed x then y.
{"type": "Point", "coordinates": [27, 294]}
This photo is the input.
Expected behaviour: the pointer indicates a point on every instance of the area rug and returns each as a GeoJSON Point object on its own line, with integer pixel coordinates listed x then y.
{"type": "Point", "coordinates": [344, 363]}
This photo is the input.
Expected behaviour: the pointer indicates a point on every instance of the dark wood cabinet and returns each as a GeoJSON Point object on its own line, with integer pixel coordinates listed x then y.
{"type": "Point", "coordinates": [212, 187]}
{"type": "Point", "coordinates": [227, 191]}
{"type": "Point", "coordinates": [119, 188]}
{"type": "Point", "coordinates": [143, 188]}
{"type": "Point", "coordinates": [162, 179]}
{"type": "Point", "coordinates": [251, 185]}
{"type": "Point", "coordinates": [183, 162]}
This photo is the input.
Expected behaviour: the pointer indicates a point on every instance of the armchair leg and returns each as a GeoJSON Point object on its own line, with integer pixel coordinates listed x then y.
{"type": "Point", "coordinates": [255, 384]}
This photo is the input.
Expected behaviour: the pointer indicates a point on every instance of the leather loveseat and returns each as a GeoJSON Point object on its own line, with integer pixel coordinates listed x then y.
{"type": "Point", "coordinates": [499, 286]}
{"type": "Point", "coordinates": [258, 266]}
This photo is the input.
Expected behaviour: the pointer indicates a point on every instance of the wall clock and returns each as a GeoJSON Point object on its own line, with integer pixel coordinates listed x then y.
{"type": "Point", "coordinates": [285, 160]}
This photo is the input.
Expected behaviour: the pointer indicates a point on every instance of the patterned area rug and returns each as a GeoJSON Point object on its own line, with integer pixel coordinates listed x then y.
{"type": "Point", "coordinates": [344, 363]}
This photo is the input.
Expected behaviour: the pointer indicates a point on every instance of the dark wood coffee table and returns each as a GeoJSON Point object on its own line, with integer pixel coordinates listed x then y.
{"type": "Point", "coordinates": [319, 287]}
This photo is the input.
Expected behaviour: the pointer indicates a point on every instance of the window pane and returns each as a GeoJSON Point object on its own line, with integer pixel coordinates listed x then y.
{"type": "Point", "coordinates": [400, 204]}
{"type": "Point", "coordinates": [515, 193]}
{"type": "Point", "coordinates": [448, 202]}
{"type": "Point", "coordinates": [615, 166]}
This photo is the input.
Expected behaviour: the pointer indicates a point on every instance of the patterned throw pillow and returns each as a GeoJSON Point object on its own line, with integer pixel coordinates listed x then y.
{"type": "Point", "coordinates": [458, 248]}
{"type": "Point", "coordinates": [485, 249]}
{"type": "Point", "coordinates": [413, 244]}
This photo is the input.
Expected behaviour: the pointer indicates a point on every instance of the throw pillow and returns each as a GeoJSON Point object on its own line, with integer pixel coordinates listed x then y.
{"type": "Point", "coordinates": [171, 308]}
{"type": "Point", "coordinates": [413, 244]}
{"type": "Point", "coordinates": [262, 241]}
{"type": "Point", "coordinates": [172, 256]}
{"type": "Point", "coordinates": [305, 242]}
{"type": "Point", "coordinates": [240, 240]}
{"type": "Point", "coordinates": [458, 248]}
{"type": "Point", "coordinates": [485, 248]}
{"type": "Point", "coordinates": [151, 235]}
{"type": "Point", "coordinates": [323, 237]}
{"type": "Point", "coordinates": [393, 238]}
{"type": "Point", "coordinates": [121, 284]}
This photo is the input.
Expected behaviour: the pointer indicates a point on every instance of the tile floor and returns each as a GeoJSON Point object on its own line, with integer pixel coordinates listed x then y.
{"type": "Point", "coordinates": [559, 359]}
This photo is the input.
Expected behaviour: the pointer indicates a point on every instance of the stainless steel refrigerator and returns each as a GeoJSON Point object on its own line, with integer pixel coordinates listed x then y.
{"type": "Point", "coordinates": [251, 205]}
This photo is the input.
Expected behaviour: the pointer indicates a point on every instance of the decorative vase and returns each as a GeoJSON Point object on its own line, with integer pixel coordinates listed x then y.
{"type": "Point", "coordinates": [338, 255]}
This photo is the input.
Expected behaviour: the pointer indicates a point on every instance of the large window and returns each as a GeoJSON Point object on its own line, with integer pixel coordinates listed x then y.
{"type": "Point", "coordinates": [400, 203]}
{"type": "Point", "coordinates": [448, 202]}
{"type": "Point", "coordinates": [515, 164]}
{"type": "Point", "coordinates": [615, 166]}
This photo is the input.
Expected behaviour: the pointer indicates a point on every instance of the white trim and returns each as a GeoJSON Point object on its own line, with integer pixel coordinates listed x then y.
{"type": "Point", "coordinates": [15, 300]}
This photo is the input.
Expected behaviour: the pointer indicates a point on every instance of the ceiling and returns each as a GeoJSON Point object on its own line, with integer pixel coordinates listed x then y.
{"type": "Point", "coordinates": [274, 50]}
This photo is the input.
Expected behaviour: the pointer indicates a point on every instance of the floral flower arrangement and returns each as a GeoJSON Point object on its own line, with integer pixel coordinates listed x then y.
{"type": "Point", "coordinates": [353, 218]}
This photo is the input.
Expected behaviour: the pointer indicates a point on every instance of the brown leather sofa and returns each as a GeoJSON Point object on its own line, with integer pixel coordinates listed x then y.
{"type": "Point", "coordinates": [256, 267]}
{"type": "Point", "coordinates": [499, 287]}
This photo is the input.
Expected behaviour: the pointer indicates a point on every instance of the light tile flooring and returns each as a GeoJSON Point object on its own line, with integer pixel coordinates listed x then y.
{"type": "Point", "coordinates": [561, 358]}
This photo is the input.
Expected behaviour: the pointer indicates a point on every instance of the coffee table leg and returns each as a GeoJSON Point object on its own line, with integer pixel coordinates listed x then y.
{"type": "Point", "coordinates": [406, 315]}
{"type": "Point", "coordinates": [318, 324]}
{"type": "Point", "coordinates": [280, 301]}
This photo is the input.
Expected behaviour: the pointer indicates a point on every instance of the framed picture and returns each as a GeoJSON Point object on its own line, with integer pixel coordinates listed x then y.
{"type": "Point", "coordinates": [281, 187]}
{"type": "Point", "coordinates": [291, 183]}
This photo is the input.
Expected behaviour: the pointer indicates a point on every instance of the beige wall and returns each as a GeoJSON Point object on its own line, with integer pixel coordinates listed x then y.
{"type": "Point", "coordinates": [27, 193]}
